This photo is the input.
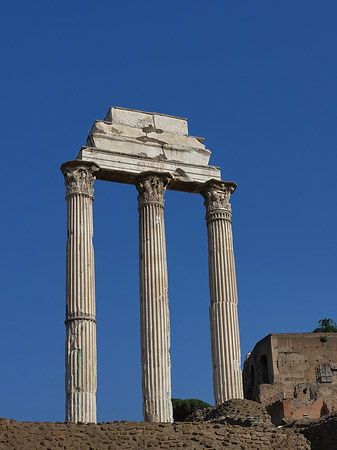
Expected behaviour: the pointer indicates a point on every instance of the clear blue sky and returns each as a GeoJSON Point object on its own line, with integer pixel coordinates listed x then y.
{"type": "Point", "coordinates": [258, 80]}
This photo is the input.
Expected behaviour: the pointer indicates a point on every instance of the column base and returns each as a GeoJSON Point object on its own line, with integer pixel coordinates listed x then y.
{"type": "Point", "coordinates": [150, 411]}
{"type": "Point", "coordinates": [81, 407]}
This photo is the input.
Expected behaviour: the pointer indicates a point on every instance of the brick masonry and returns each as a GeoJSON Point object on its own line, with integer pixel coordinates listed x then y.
{"type": "Point", "coordinates": [293, 375]}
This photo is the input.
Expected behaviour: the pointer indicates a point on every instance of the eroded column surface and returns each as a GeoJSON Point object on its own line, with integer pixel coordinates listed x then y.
{"type": "Point", "coordinates": [154, 310]}
{"type": "Point", "coordinates": [81, 360]}
{"type": "Point", "coordinates": [225, 340]}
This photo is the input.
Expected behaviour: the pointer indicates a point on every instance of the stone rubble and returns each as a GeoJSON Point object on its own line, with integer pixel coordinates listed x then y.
{"type": "Point", "coordinates": [322, 433]}
{"type": "Point", "coordinates": [241, 412]}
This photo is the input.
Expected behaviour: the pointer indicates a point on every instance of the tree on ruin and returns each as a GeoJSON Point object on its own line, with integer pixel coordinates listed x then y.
{"type": "Point", "coordinates": [326, 326]}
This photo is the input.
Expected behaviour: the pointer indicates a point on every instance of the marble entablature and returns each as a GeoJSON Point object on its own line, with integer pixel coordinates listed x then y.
{"type": "Point", "coordinates": [128, 142]}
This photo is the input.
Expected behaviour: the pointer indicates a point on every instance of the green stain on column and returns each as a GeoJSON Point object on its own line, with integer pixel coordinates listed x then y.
{"type": "Point", "coordinates": [168, 405]}
{"type": "Point", "coordinates": [79, 369]}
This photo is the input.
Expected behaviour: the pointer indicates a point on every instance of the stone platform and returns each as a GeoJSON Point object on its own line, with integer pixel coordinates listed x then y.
{"type": "Point", "coordinates": [140, 435]}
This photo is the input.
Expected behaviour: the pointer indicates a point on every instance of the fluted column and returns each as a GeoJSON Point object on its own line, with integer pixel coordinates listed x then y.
{"type": "Point", "coordinates": [80, 360]}
{"type": "Point", "coordinates": [225, 340]}
{"type": "Point", "coordinates": [154, 310]}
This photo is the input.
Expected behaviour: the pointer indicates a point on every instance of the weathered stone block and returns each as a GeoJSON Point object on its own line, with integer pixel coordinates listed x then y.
{"type": "Point", "coordinates": [130, 142]}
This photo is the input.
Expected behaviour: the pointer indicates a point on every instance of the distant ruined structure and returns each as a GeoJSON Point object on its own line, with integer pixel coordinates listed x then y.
{"type": "Point", "coordinates": [153, 152]}
{"type": "Point", "coordinates": [293, 375]}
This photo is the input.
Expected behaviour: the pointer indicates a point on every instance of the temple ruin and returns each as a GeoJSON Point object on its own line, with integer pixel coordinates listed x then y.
{"type": "Point", "coordinates": [153, 152]}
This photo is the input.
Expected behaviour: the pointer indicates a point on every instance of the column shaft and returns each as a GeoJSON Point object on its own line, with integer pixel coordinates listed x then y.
{"type": "Point", "coordinates": [81, 359]}
{"type": "Point", "coordinates": [225, 340]}
{"type": "Point", "coordinates": [154, 310]}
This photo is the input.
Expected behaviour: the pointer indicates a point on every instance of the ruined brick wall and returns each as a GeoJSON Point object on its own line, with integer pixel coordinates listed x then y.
{"type": "Point", "coordinates": [296, 356]}
{"type": "Point", "coordinates": [140, 435]}
{"type": "Point", "coordinates": [293, 375]}
{"type": "Point", "coordinates": [252, 369]}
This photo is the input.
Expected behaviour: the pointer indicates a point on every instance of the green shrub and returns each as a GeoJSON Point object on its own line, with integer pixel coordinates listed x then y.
{"type": "Point", "coordinates": [182, 408]}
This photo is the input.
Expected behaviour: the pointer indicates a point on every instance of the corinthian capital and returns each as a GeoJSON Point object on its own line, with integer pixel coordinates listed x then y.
{"type": "Point", "coordinates": [79, 177]}
{"type": "Point", "coordinates": [217, 195]}
{"type": "Point", "coordinates": [151, 187]}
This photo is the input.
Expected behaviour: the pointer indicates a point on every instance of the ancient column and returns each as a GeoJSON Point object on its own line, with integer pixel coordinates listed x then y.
{"type": "Point", "coordinates": [225, 341]}
{"type": "Point", "coordinates": [154, 310]}
{"type": "Point", "coordinates": [81, 365]}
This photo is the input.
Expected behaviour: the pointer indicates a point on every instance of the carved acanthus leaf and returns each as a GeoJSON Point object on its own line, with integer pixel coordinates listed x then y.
{"type": "Point", "coordinates": [152, 188]}
{"type": "Point", "coordinates": [80, 179]}
{"type": "Point", "coordinates": [217, 195]}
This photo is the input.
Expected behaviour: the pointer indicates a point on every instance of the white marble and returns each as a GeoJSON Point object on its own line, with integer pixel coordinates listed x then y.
{"type": "Point", "coordinates": [142, 119]}
{"type": "Point", "coordinates": [129, 142]}
{"type": "Point", "coordinates": [225, 339]}
{"type": "Point", "coordinates": [154, 152]}
{"type": "Point", "coordinates": [81, 359]}
{"type": "Point", "coordinates": [125, 168]}
{"type": "Point", "coordinates": [154, 310]}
